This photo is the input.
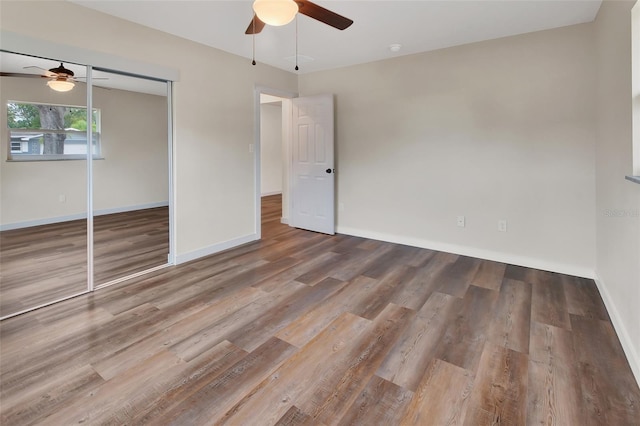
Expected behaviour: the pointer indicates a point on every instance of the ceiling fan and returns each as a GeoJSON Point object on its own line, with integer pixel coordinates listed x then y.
{"type": "Point", "coordinates": [281, 12]}
{"type": "Point", "coordinates": [61, 79]}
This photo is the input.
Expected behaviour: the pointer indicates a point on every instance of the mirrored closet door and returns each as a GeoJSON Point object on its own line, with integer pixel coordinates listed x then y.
{"type": "Point", "coordinates": [43, 183]}
{"type": "Point", "coordinates": [130, 177]}
{"type": "Point", "coordinates": [84, 195]}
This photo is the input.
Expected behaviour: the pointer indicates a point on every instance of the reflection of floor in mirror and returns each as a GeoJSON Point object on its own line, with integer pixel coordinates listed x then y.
{"type": "Point", "coordinates": [44, 263]}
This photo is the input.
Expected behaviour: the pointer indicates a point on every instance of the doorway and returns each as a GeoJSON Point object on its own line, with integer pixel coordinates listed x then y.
{"type": "Point", "coordinates": [272, 118]}
{"type": "Point", "coordinates": [307, 153]}
{"type": "Point", "coordinates": [272, 162]}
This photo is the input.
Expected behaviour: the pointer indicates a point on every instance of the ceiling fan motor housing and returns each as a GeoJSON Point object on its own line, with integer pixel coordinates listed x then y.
{"type": "Point", "coordinates": [62, 70]}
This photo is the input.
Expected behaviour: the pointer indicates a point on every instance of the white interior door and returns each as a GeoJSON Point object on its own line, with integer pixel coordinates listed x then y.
{"type": "Point", "coordinates": [312, 169]}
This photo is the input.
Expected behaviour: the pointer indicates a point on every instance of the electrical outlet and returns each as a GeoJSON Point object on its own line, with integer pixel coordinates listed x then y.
{"type": "Point", "coordinates": [502, 225]}
{"type": "Point", "coordinates": [62, 198]}
{"type": "Point", "coordinates": [340, 207]}
{"type": "Point", "coordinates": [461, 221]}
{"type": "Point", "coordinates": [250, 148]}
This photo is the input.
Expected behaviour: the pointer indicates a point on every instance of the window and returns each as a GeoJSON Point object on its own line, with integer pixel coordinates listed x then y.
{"type": "Point", "coordinates": [50, 132]}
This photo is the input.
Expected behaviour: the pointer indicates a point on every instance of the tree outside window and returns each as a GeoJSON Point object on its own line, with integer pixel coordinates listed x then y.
{"type": "Point", "coordinates": [50, 132]}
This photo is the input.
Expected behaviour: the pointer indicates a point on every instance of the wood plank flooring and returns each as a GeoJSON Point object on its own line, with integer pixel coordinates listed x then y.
{"type": "Point", "coordinates": [307, 329]}
{"type": "Point", "coordinates": [49, 262]}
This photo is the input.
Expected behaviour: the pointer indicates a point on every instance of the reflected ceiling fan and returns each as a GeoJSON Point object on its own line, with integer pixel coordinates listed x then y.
{"type": "Point", "coordinates": [281, 12]}
{"type": "Point", "coordinates": [61, 79]}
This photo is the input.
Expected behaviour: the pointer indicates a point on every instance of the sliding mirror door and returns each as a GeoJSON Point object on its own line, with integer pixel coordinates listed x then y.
{"type": "Point", "coordinates": [130, 176]}
{"type": "Point", "coordinates": [67, 224]}
{"type": "Point", "coordinates": [43, 182]}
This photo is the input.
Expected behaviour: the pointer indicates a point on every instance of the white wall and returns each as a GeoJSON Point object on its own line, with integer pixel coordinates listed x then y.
{"type": "Point", "coordinates": [271, 148]}
{"type": "Point", "coordinates": [214, 112]}
{"type": "Point", "coordinates": [134, 171]}
{"type": "Point", "coordinates": [617, 200]}
{"type": "Point", "coordinates": [502, 129]}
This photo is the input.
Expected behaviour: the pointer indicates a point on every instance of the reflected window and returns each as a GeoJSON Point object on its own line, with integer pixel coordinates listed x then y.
{"type": "Point", "coordinates": [50, 132]}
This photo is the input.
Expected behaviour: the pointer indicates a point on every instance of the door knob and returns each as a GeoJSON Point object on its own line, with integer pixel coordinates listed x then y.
{"type": "Point", "coordinates": [328, 170]}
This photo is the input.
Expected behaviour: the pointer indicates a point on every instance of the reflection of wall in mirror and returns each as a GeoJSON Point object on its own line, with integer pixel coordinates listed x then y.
{"type": "Point", "coordinates": [133, 173]}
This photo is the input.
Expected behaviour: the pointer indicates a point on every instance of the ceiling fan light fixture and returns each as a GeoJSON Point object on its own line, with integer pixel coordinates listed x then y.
{"type": "Point", "coordinates": [275, 12]}
{"type": "Point", "coordinates": [60, 85]}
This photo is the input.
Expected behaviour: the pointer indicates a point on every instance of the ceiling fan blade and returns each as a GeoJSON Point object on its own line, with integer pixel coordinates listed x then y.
{"type": "Point", "coordinates": [255, 26]}
{"type": "Point", "coordinates": [17, 74]}
{"type": "Point", "coordinates": [321, 14]}
{"type": "Point", "coordinates": [46, 73]}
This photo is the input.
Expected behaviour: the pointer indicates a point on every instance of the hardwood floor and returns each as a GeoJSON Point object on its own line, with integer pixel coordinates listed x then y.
{"type": "Point", "coordinates": [307, 329]}
{"type": "Point", "coordinates": [49, 262]}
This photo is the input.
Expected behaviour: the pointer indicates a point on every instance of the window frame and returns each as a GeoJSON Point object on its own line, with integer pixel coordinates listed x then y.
{"type": "Point", "coordinates": [96, 138]}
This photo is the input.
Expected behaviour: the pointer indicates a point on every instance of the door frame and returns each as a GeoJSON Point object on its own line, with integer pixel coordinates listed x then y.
{"type": "Point", "coordinates": [264, 90]}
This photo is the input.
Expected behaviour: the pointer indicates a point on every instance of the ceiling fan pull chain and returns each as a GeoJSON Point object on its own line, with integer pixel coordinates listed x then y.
{"type": "Point", "coordinates": [296, 43]}
{"type": "Point", "coordinates": [253, 62]}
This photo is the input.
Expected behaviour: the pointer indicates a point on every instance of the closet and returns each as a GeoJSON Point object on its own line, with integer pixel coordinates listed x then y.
{"type": "Point", "coordinates": [85, 183]}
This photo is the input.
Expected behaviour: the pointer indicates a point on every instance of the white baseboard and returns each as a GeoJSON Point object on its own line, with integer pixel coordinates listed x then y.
{"type": "Point", "coordinates": [45, 221]}
{"type": "Point", "coordinates": [284, 220]}
{"type": "Point", "coordinates": [495, 256]}
{"type": "Point", "coordinates": [103, 212]}
{"type": "Point", "coordinates": [266, 194]}
{"type": "Point", "coordinates": [621, 330]}
{"type": "Point", "coordinates": [67, 218]}
{"type": "Point", "coordinates": [215, 248]}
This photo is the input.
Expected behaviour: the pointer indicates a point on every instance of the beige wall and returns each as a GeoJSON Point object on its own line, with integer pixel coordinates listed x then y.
{"type": "Point", "coordinates": [134, 171]}
{"type": "Point", "coordinates": [502, 129]}
{"type": "Point", "coordinates": [617, 200]}
{"type": "Point", "coordinates": [213, 110]}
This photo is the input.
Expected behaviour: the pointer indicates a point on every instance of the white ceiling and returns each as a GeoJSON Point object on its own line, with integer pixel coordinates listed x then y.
{"type": "Point", "coordinates": [418, 25]}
